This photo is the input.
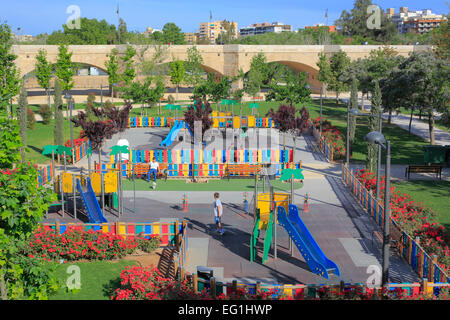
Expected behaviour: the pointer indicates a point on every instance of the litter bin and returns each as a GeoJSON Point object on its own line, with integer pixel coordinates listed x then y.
{"type": "Point", "coordinates": [434, 154]}
{"type": "Point", "coordinates": [204, 273]}
{"type": "Point", "coordinates": [447, 154]}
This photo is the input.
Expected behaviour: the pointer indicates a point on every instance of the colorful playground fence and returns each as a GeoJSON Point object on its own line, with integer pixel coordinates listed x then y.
{"type": "Point", "coordinates": [221, 120]}
{"type": "Point", "coordinates": [168, 232]}
{"type": "Point", "coordinates": [325, 148]}
{"type": "Point", "coordinates": [304, 291]}
{"type": "Point", "coordinates": [189, 156]}
{"type": "Point", "coordinates": [425, 266]}
{"type": "Point", "coordinates": [45, 175]}
{"type": "Point", "coordinates": [79, 152]}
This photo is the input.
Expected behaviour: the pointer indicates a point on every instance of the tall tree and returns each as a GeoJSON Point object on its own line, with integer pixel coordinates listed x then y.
{"type": "Point", "coordinates": [296, 90]}
{"type": "Point", "coordinates": [64, 68]}
{"type": "Point", "coordinates": [357, 23]}
{"type": "Point", "coordinates": [257, 74]}
{"type": "Point", "coordinates": [339, 61]}
{"type": "Point", "coordinates": [374, 125]}
{"type": "Point", "coordinates": [172, 34]}
{"type": "Point", "coordinates": [10, 81]}
{"type": "Point", "coordinates": [128, 71]}
{"type": "Point", "coordinates": [325, 75]}
{"type": "Point", "coordinates": [177, 74]}
{"type": "Point", "coordinates": [22, 116]}
{"type": "Point", "coordinates": [430, 76]}
{"type": "Point", "coordinates": [43, 70]}
{"type": "Point", "coordinates": [193, 65]}
{"type": "Point", "coordinates": [112, 68]}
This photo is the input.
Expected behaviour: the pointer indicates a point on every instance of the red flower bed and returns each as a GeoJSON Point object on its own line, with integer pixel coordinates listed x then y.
{"type": "Point", "coordinates": [139, 283]}
{"type": "Point", "coordinates": [332, 136]}
{"type": "Point", "coordinates": [416, 220]}
{"type": "Point", "coordinates": [76, 244]}
{"type": "Point", "coordinates": [77, 142]}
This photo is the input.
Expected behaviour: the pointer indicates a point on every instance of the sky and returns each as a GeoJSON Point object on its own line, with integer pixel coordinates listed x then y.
{"type": "Point", "coordinates": [39, 16]}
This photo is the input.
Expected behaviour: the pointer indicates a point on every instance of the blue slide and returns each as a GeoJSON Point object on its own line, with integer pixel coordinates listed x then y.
{"type": "Point", "coordinates": [90, 202]}
{"type": "Point", "coordinates": [308, 247]}
{"type": "Point", "coordinates": [178, 125]}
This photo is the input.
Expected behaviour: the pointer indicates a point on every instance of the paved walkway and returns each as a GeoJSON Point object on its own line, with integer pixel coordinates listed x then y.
{"type": "Point", "coordinates": [335, 219]}
{"type": "Point", "coordinates": [418, 127]}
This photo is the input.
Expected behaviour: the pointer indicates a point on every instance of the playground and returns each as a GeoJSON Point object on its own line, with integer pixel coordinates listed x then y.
{"type": "Point", "coordinates": [322, 234]}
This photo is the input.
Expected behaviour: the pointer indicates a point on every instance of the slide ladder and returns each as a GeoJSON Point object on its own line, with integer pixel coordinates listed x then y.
{"type": "Point", "coordinates": [90, 202]}
{"type": "Point", "coordinates": [267, 238]}
{"type": "Point", "coordinates": [305, 243]}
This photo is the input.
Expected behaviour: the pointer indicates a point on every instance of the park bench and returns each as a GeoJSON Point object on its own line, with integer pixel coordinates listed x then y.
{"type": "Point", "coordinates": [242, 170]}
{"type": "Point", "coordinates": [424, 169]}
{"type": "Point", "coordinates": [141, 170]}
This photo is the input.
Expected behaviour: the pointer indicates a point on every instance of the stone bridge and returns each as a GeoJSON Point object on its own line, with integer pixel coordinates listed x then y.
{"type": "Point", "coordinates": [221, 59]}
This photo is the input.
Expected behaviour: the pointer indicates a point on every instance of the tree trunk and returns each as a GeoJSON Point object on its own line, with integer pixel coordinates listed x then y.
{"type": "Point", "coordinates": [99, 157]}
{"type": "Point", "coordinates": [410, 120]}
{"type": "Point", "coordinates": [176, 94]}
{"type": "Point", "coordinates": [420, 114]}
{"type": "Point", "coordinates": [431, 126]}
{"type": "Point", "coordinates": [337, 97]}
{"type": "Point", "coordinates": [48, 98]}
{"type": "Point", "coordinates": [390, 116]}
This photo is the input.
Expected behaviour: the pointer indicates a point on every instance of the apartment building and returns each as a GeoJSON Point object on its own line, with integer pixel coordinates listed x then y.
{"type": "Point", "coordinates": [191, 37]}
{"type": "Point", "coordinates": [261, 28]}
{"type": "Point", "coordinates": [420, 21]}
{"type": "Point", "coordinates": [211, 30]}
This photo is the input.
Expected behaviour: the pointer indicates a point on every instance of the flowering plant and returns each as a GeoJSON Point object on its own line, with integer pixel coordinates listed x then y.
{"type": "Point", "coordinates": [76, 244]}
{"type": "Point", "coordinates": [416, 220]}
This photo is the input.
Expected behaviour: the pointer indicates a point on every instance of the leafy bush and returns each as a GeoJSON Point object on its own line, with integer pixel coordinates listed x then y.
{"type": "Point", "coordinates": [149, 245]}
{"type": "Point", "coordinates": [31, 119]}
{"type": "Point", "coordinates": [46, 113]}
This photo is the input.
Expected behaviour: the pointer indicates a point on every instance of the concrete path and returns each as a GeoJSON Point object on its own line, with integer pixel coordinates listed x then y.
{"type": "Point", "coordinates": [418, 127]}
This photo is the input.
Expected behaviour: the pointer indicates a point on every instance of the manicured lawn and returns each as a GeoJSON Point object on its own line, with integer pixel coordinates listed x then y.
{"type": "Point", "coordinates": [97, 278]}
{"type": "Point", "coordinates": [433, 194]}
{"type": "Point", "coordinates": [212, 185]}
{"type": "Point", "coordinates": [405, 148]}
{"type": "Point", "coordinates": [41, 136]}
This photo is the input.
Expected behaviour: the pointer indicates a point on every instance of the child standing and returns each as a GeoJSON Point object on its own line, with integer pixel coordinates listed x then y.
{"type": "Point", "coordinates": [218, 211]}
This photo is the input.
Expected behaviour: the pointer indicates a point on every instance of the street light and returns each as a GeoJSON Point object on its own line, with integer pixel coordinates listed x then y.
{"type": "Point", "coordinates": [378, 138]}
{"type": "Point", "coordinates": [68, 96]}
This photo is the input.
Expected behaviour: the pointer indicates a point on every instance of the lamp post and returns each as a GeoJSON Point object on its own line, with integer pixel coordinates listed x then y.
{"type": "Point", "coordinates": [320, 118]}
{"type": "Point", "coordinates": [378, 138]}
{"type": "Point", "coordinates": [68, 96]}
